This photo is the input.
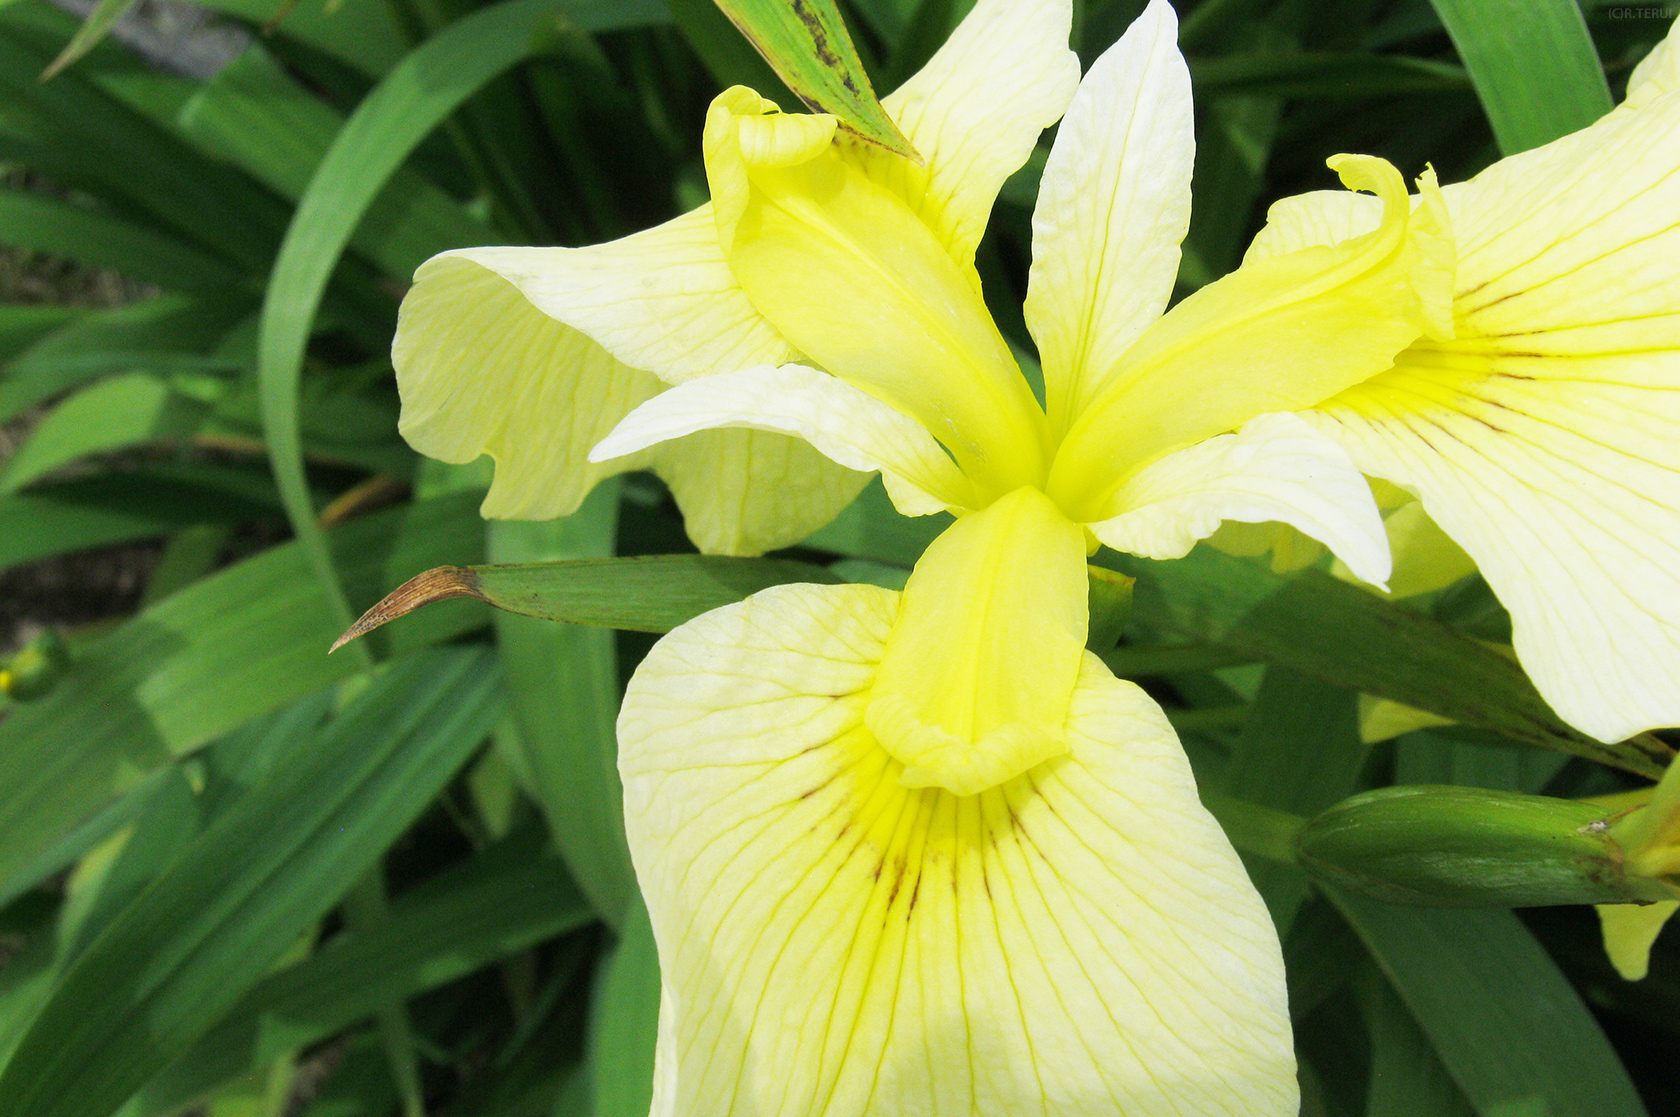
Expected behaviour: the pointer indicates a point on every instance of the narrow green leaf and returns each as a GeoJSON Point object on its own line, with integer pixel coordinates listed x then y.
{"type": "Point", "coordinates": [1533, 65]}
{"type": "Point", "coordinates": [180, 955]}
{"type": "Point", "coordinates": [499, 902]}
{"type": "Point", "coordinates": [1319, 626]}
{"type": "Point", "coordinates": [164, 334]}
{"type": "Point", "coordinates": [653, 593]}
{"type": "Point", "coordinates": [46, 224]}
{"type": "Point", "coordinates": [564, 692]}
{"type": "Point", "coordinates": [807, 44]}
{"type": "Point", "coordinates": [258, 117]}
{"type": "Point", "coordinates": [1299, 752]}
{"type": "Point", "coordinates": [624, 1021]}
{"type": "Point", "coordinates": [22, 326]}
{"type": "Point", "coordinates": [418, 93]}
{"type": "Point", "coordinates": [64, 516]}
{"type": "Point", "coordinates": [117, 412]}
{"type": "Point", "coordinates": [94, 28]}
{"type": "Point", "coordinates": [1313, 74]}
{"type": "Point", "coordinates": [1407, 1078]}
{"type": "Point", "coordinates": [1507, 1025]}
{"type": "Point", "coordinates": [198, 664]}
{"type": "Point", "coordinates": [367, 37]}
{"type": "Point", "coordinates": [118, 153]}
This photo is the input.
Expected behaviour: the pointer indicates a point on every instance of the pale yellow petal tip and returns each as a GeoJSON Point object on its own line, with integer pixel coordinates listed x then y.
{"type": "Point", "coordinates": [1630, 930]}
{"type": "Point", "coordinates": [762, 133]}
{"type": "Point", "coordinates": [1425, 232]}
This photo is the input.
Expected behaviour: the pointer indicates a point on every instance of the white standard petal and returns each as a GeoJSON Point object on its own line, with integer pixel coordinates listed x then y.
{"type": "Point", "coordinates": [1277, 467]}
{"type": "Point", "coordinates": [662, 300]}
{"type": "Point", "coordinates": [847, 425]}
{"type": "Point", "coordinates": [1080, 940]}
{"type": "Point", "coordinates": [1112, 208]}
{"type": "Point", "coordinates": [977, 108]}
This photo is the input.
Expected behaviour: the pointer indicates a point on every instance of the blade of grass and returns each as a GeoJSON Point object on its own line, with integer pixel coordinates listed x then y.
{"type": "Point", "coordinates": [198, 664]}
{"type": "Point", "coordinates": [564, 692]}
{"type": "Point", "coordinates": [1533, 65]}
{"type": "Point", "coordinates": [624, 1021]}
{"type": "Point", "coordinates": [1325, 628]}
{"type": "Point", "coordinates": [496, 903]}
{"type": "Point", "coordinates": [1502, 1018]}
{"type": "Point", "coordinates": [162, 972]}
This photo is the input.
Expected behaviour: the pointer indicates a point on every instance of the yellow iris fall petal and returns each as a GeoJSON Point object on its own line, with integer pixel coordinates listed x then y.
{"type": "Point", "coordinates": [1542, 436]}
{"type": "Point", "coordinates": [1078, 940]}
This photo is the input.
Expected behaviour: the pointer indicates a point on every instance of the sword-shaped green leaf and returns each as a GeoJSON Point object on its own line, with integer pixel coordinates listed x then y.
{"type": "Point", "coordinates": [806, 43]}
{"type": "Point", "coordinates": [653, 593]}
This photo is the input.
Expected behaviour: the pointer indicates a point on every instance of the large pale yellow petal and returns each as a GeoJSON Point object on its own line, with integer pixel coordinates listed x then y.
{"type": "Point", "coordinates": [1545, 439]}
{"type": "Point", "coordinates": [1079, 941]}
{"type": "Point", "coordinates": [1112, 208]}
{"type": "Point", "coordinates": [848, 273]}
{"type": "Point", "coordinates": [662, 300]}
{"type": "Point", "coordinates": [848, 426]}
{"type": "Point", "coordinates": [976, 678]}
{"type": "Point", "coordinates": [1564, 487]}
{"type": "Point", "coordinates": [1283, 333]}
{"type": "Point", "coordinates": [1571, 248]}
{"type": "Point", "coordinates": [977, 108]}
{"type": "Point", "coordinates": [1277, 468]}
{"type": "Point", "coordinates": [482, 371]}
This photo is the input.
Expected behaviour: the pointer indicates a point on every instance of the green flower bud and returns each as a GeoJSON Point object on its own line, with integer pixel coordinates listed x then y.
{"type": "Point", "coordinates": [1470, 847]}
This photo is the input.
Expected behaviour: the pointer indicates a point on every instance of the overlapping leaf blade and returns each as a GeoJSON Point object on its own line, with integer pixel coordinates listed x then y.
{"type": "Point", "coordinates": [162, 971]}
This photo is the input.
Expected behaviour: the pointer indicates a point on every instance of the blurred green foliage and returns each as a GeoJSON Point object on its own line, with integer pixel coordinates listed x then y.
{"type": "Point", "coordinates": [238, 874]}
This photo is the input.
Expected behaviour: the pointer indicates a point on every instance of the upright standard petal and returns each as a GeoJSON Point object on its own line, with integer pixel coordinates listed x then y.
{"type": "Point", "coordinates": [1545, 439]}
{"type": "Point", "coordinates": [1113, 206]}
{"type": "Point", "coordinates": [849, 426]}
{"type": "Point", "coordinates": [1277, 468]}
{"type": "Point", "coordinates": [1280, 334]}
{"type": "Point", "coordinates": [1078, 941]}
{"type": "Point", "coordinates": [975, 111]}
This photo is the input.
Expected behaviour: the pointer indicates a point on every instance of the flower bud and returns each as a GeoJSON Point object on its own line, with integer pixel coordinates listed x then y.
{"type": "Point", "coordinates": [1471, 847]}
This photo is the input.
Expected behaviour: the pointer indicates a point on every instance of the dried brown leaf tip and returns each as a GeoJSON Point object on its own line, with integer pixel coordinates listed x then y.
{"type": "Point", "coordinates": [438, 584]}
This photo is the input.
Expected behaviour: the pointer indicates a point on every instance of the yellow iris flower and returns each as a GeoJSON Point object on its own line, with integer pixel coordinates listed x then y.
{"type": "Point", "coordinates": [922, 853]}
{"type": "Point", "coordinates": [1543, 434]}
